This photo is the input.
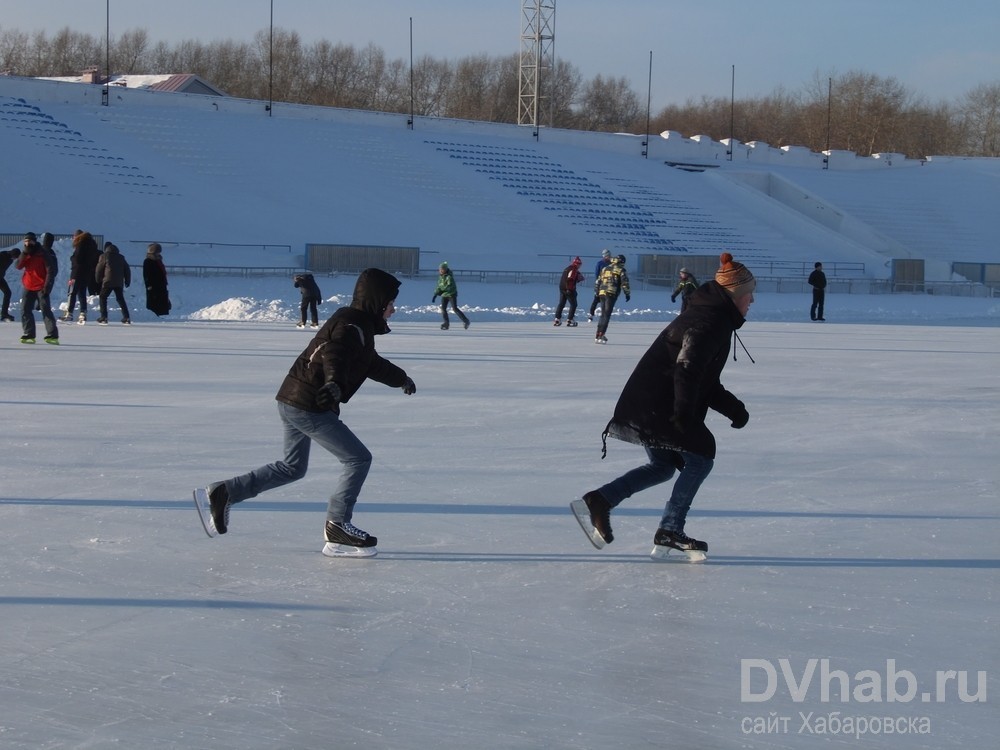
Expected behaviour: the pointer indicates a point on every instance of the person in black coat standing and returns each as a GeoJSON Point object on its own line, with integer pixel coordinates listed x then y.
{"type": "Point", "coordinates": [82, 281]}
{"type": "Point", "coordinates": [664, 405]}
{"type": "Point", "coordinates": [154, 276]}
{"type": "Point", "coordinates": [817, 280]}
{"type": "Point", "coordinates": [311, 297]}
{"type": "Point", "coordinates": [113, 274]}
{"type": "Point", "coordinates": [568, 280]}
{"type": "Point", "coordinates": [328, 372]}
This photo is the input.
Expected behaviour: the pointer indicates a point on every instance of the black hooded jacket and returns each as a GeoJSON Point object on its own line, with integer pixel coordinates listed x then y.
{"type": "Point", "coordinates": [343, 350]}
{"type": "Point", "coordinates": [667, 397]}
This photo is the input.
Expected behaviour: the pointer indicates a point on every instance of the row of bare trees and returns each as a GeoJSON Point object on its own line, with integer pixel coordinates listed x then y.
{"type": "Point", "coordinates": [855, 111]}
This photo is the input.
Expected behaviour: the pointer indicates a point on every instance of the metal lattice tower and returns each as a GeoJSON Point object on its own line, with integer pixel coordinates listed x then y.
{"type": "Point", "coordinates": [538, 41]}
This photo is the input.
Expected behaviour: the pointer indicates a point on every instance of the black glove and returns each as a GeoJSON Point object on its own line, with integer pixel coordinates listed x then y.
{"type": "Point", "coordinates": [673, 297]}
{"type": "Point", "coordinates": [740, 420]}
{"type": "Point", "coordinates": [628, 297]}
{"type": "Point", "coordinates": [409, 388]}
{"type": "Point", "coordinates": [328, 396]}
{"type": "Point", "coordinates": [434, 299]}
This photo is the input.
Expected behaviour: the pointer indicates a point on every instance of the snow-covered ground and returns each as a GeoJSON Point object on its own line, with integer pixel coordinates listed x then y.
{"type": "Point", "coordinates": [853, 530]}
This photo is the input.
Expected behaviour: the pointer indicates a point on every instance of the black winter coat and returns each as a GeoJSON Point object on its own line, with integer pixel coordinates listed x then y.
{"type": "Point", "coordinates": [154, 276]}
{"type": "Point", "coordinates": [306, 284]}
{"type": "Point", "coordinates": [343, 351]}
{"type": "Point", "coordinates": [83, 261]}
{"type": "Point", "coordinates": [667, 397]}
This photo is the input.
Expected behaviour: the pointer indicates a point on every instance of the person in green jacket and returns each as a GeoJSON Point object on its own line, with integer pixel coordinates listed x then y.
{"type": "Point", "coordinates": [447, 290]}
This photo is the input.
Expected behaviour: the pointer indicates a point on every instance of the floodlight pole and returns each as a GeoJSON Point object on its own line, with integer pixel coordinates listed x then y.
{"type": "Point", "coordinates": [270, 64]}
{"type": "Point", "coordinates": [409, 123]}
{"type": "Point", "coordinates": [106, 91]}
{"type": "Point", "coordinates": [829, 116]}
{"type": "Point", "coordinates": [732, 113]}
{"type": "Point", "coordinates": [649, 96]}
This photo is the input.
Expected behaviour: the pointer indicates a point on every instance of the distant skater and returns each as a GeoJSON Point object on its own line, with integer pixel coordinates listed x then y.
{"type": "Point", "coordinates": [7, 258]}
{"type": "Point", "coordinates": [113, 274]}
{"type": "Point", "coordinates": [686, 286]}
{"type": "Point", "coordinates": [817, 280]}
{"type": "Point", "coordinates": [311, 297]}
{"type": "Point", "coordinates": [568, 280]}
{"type": "Point", "coordinates": [612, 282]}
{"type": "Point", "coordinates": [154, 276]}
{"type": "Point", "coordinates": [35, 272]}
{"type": "Point", "coordinates": [447, 290]}
{"type": "Point", "coordinates": [602, 263]}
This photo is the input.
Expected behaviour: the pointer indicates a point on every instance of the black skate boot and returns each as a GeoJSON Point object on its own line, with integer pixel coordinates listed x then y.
{"type": "Point", "coordinates": [593, 513]}
{"type": "Point", "coordinates": [666, 540]}
{"type": "Point", "coordinates": [344, 539]}
{"type": "Point", "coordinates": [219, 504]}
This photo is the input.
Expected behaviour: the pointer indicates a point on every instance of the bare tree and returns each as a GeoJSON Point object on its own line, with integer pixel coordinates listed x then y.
{"type": "Point", "coordinates": [980, 116]}
{"type": "Point", "coordinates": [608, 104]}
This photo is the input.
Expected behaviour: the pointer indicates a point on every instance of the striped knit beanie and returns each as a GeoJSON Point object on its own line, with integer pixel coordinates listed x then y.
{"type": "Point", "coordinates": [734, 277]}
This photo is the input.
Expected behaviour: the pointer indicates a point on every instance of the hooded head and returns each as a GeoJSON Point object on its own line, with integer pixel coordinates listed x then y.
{"type": "Point", "coordinates": [47, 240]}
{"type": "Point", "coordinates": [577, 262]}
{"type": "Point", "coordinates": [373, 292]}
{"type": "Point", "coordinates": [734, 277]}
{"type": "Point", "coordinates": [154, 249]}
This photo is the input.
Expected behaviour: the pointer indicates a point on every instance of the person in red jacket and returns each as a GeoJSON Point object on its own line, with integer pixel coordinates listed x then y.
{"type": "Point", "coordinates": [328, 372]}
{"type": "Point", "coordinates": [568, 280]}
{"type": "Point", "coordinates": [35, 272]}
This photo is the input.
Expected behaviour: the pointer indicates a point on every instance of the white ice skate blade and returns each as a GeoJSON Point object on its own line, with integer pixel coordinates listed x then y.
{"type": "Point", "coordinates": [202, 505]}
{"type": "Point", "coordinates": [582, 513]}
{"type": "Point", "coordinates": [346, 550]}
{"type": "Point", "coordinates": [662, 553]}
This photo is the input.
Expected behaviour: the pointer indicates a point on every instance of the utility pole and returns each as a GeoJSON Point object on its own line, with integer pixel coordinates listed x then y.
{"type": "Point", "coordinates": [538, 23]}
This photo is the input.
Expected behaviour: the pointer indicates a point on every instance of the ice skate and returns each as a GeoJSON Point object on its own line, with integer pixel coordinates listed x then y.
{"type": "Point", "coordinates": [667, 542]}
{"type": "Point", "coordinates": [593, 513]}
{"type": "Point", "coordinates": [344, 539]}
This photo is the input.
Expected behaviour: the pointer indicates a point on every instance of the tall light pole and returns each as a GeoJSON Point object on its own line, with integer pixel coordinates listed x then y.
{"type": "Point", "coordinates": [649, 98]}
{"type": "Point", "coordinates": [106, 91]}
{"type": "Point", "coordinates": [270, 64]}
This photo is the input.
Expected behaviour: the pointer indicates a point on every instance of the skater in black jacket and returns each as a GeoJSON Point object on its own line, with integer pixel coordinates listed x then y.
{"type": "Point", "coordinates": [311, 297]}
{"type": "Point", "coordinates": [664, 405]}
{"type": "Point", "coordinates": [7, 257]}
{"type": "Point", "coordinates": [817, 280]}
{"type": "Point", "coordinates": [328, 372]}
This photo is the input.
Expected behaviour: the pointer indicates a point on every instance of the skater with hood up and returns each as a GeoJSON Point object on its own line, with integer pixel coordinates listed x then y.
{"type": "Point", "coordinates": [154, 276]}
{"type": "Point", "coordinates": [113, 275]}
{"type": "Point", "coordinates": [664, 405]}
{"type": "Point", "coordinates": [328, 372]}
{"type": "Point", "coordinates": [447, 290]}
{"type": "Point", "coordinates": [82, 281]}
{"type": "Point", "coordinates": [311, 297]}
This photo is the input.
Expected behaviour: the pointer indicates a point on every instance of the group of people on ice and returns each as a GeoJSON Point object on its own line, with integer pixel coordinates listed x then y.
{"type": "Point", "coordinates": [610, 282]}
{"type": "Point", "coordinates": [663, 406]}
{"type": "Point", "coordinates": [91, 272]}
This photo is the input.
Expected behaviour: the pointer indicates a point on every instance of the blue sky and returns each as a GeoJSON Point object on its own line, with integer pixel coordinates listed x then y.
{"type": "Point", "coordinates": [938, 50]}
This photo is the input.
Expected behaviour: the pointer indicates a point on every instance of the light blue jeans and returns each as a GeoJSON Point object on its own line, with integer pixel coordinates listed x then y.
{"type": "Point", "coordinates": [660, 469]}
{"type": "Point", "coordinates": [300, 429]}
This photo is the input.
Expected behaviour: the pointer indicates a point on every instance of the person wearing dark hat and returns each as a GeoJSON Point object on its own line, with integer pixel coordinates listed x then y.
{"type": "Point", "coordinates": [817, 280]}
{"type": "Point", "coordinates": [7, 258]}
{"type": "Point", "coordinates": [154, 276]}
{"type": "Point", "coordinates": [663, 408]}
{"type": "Point", "coordinates": [568, 280]}
{"type": "Point", "coordinates": [687, 284]}
{"type": "Point", "coordinates": [328, 372]}
{"type": "Point", "coordinates": [612, 282]}
{"type": "Point", "coordinates": [447, 290]}
{"type": "Point", "coordinates": [113, 273]}
{"type": "Point", "coordinates": [603, 263]}
{"type": "Point", "coordinates": [32, 263]}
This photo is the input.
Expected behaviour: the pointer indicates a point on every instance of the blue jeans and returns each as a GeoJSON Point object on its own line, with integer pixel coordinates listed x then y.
{"type": "Point", "coordinates": [300, 429]}
{"type": "Point", "coordinates": [660, 469]}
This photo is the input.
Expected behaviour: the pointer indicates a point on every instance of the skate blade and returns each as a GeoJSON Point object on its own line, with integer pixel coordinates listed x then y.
{"type": "Point", "coordinates": [346, 550]}
{"type": "Point", "coordinates": [671, 554]}
{"type": "Point", "coordinates": [582, 513]}
{"type": "Point", "coordinates": [201, 504]}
